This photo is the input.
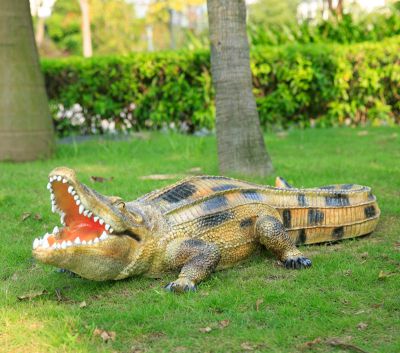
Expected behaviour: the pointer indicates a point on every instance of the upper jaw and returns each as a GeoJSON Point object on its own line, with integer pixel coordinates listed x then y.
{"type": "Point", "coordinates": [80, 208]}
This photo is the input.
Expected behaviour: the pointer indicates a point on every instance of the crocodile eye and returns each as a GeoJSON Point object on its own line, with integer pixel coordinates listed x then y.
{"type": "Point", "coordinates": [121, 205]}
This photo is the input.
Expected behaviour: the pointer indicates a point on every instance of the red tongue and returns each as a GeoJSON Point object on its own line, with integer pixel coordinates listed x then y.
{"type": "Point", "coordinates": [77, 224]}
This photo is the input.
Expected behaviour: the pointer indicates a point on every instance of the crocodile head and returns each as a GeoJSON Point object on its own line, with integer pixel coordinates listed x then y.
{"type": "Point", "coordinates": [99, 235]}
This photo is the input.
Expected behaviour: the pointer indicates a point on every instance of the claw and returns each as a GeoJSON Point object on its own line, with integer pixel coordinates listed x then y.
{"type": "Point", "coordinates": [181, 285]}
{"type": "Point", "coordinates": [297, 262]}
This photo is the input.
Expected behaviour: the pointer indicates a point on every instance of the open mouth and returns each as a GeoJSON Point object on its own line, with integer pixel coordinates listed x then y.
{"type": "Point", "coordinates": [81, 227]}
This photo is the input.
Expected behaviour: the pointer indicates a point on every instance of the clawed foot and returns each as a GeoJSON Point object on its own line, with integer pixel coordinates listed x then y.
{"type": "Point", "coordinates": [181, 285]}
{"type": "Point", "coordinates": [297, 262]}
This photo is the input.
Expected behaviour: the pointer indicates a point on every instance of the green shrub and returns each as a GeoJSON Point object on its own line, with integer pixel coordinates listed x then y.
{"type": "Point", "coordinates": [313, 84]}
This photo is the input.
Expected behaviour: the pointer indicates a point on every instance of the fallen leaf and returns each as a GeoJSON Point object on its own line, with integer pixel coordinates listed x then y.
{"type": "Point", "coordinates": [205, 329]}
{"type": "Point", "coordinates": [194, 170]}
{"type": "Point", "coordinates": [99, 179]}
{"type": "Point", "coordinates": [83, 304]}
{"type": "Point", "coordinates": [25, 216]}
{"type": "Point", "coordinates": [383, 275]}
{"type": "Point", "coordinates": [258, 303]}
{"type": "Point", "coordinates": [60, 296]}
{"type": "Point", "coordinates": [362, 133]}
{"type": "Point", "coordinates": [160, 177]}
{"type": "Point", "coordinates": [362, 326]}
{"type": "Point", "coordinates": [282, 134]}
{"type": "Point", "coordinates": [136, 350]}
{"type": "Point", "coordinates": [247, 346]}
{"type": "Point", "coordinates": [309, 344]}
{"type": "Point", "coordinates": [224, 323]}
{"type": "Point", "coordinates": [348, 272]}
{"type": "Point", "coordinates": [336, 342]}
{"type": "Point", "coordinates": [105, 335]}
{"type": "Point", "coordinates": [31, 295]}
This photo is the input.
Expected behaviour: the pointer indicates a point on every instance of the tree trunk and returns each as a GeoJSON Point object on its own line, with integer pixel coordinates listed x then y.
{"type": "Point", "coordinates": [86, 33]}
{"type": "Point", "coordinates": [240, 141]}
{"type": "Point", "coordinates": [26, 131]}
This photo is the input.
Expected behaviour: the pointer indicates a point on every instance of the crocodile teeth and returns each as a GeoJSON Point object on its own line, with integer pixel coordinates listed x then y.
{"type": "Point", "coordinates": [76, 197]}
{"type": "Point", "coordinates": [103, 236]}
{"type": "Point", "coordinates": [63, 244]}
{"type": "Point", "coordinates": [90, 242]}
{"type": "Point", "coordinates": [81, 208]}
{"type": "Point", "coordinates": [85, 213]}
{"type": "Point", "coordinates": [46, 236]}
{"type": "Point", "coordinates": [83, 242]}
{"type": "Point", "coordinates": [77, 241]}
{"type": "Point", "coordinates": [78, 202]}
{"type": "Point", "coordinates": [70, 189]}
{"type": "Point", "coordinates": [36, 243]}
{"type": "Point", "coordinates": [48, 186]}
{"type": "Point", "coordinates": [95, 218]}
{"type": "Point", "coordinates": [55, 230]}
{"type": "Point", "coordinates": [111, 230]}
{"type": "Point", "coordinates": [62, 219]}
{"type": "Point", "coordinates": [45, 244]}
{"type": "Point", "coordinates": [69, 243]}
{"type": "Point", "coordinates": [53, 208]}
{"type": "Point", "coordinates": [107, 226]}
{"type": "Point", "coordinates": [64, 181]}
{"type": "Point", "coordinates": [58, 178]}
{"type": "Point", "coordinates": [96, 240]}
{"type": "Point", "coordinates": [101, 221]}
{"type": "Point", "coordinates": [52, 197]}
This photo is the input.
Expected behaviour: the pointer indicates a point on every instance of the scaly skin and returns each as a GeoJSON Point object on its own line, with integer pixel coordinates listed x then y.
{"type": "Point", "coordinates": [196, 225]}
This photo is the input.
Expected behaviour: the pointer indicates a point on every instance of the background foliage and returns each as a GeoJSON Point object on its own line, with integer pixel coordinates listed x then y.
{"type": "Point", "coordinates": [315, 84]}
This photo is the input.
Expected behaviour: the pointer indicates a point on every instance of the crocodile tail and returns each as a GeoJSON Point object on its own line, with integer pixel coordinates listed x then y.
{"type": "Point", "coordinates": [282, 183]}
{"type": "Point", "coordinates": [328, 213]}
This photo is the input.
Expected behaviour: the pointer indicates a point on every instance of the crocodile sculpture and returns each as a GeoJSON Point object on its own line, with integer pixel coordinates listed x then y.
{"type": "Point", "coordinates": [196, 225]}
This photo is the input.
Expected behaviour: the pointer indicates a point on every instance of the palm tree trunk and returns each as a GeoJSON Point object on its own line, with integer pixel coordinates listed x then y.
{"type": "Point", "coordinates": [26, 131]}
{"type": "Point", "coordinates": [241, 147]}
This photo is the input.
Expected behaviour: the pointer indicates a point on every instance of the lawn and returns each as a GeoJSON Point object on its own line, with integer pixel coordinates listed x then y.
{"type": "Point", "coordinates": [348, 299]}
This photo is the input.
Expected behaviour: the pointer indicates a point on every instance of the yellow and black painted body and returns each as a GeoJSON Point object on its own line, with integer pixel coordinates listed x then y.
{"type": "Point", "coordinates": [204, 223]}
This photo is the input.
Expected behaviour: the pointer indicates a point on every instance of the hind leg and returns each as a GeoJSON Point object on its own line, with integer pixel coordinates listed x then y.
{"type": "Point", "coordinates": [273, 236]}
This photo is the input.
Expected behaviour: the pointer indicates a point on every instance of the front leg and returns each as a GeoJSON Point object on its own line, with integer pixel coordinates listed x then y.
{"type": "Point", "coordinates": [196, 259]}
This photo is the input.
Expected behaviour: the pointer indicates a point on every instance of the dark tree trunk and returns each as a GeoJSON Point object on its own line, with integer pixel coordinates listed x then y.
{"type": "Point", "coordinates": [240, 141]}
{"type": "Point", "coordinates": [26, 131]}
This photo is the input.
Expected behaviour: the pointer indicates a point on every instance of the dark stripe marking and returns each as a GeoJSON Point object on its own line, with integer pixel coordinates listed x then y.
{"type": "Point", "coordinates": [287, 218]}
{"type": "Point", "coordinates": [247, 222]}
{"type": "Point", "coordinates": [328, 187]}
{"type": "Point", "coordinates": [302, 237]}
{"type": "Point", "coordinates": [215, 219]}
{"type": "Point", "coordinates": [215, 202]}
{"type": "Point", "coordinates": [179, 193]}
{"type": "Point", "coordinates": [337, 199]}
{"type": "Point", "coordinates": [371, 196]}
{"type": "Point", "coordinates": [252, 195]}
{"type": "Point", "coordinates": [338, 232]}
{"type": "Point", "coordinates": [301, 199]}
{"type": "Point", "coordinates": [347, 186]}
{"type": "Point", "coordinates": [315, 216]}
{"type": "Point", "coordinates": [224, 187]}
{"type": "Point", "coordinates": [212, 177]}
{"type": "Point", "coordinates": [369, 211]}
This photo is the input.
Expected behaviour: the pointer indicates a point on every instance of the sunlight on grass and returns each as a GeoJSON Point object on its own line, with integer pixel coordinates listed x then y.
{"type": "Point", "coordinates": [257, 305]}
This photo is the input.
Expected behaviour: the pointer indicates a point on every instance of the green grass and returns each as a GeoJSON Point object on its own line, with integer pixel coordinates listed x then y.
{"type": "Point", "coordinates": [341, 290]}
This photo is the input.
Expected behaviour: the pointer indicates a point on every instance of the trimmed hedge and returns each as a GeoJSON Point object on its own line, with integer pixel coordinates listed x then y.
{"type": "Point", "coordinates": [322, 85]}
